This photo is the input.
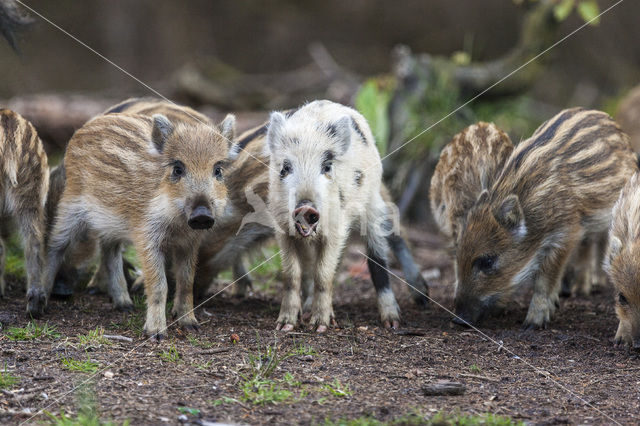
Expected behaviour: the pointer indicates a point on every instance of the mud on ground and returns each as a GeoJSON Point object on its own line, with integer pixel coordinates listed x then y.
{"type": "Point", "coordinates": [570, 373]}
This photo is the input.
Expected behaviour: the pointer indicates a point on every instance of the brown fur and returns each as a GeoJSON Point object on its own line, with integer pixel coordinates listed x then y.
{"type": "Point", "coordinates": [628, 115]}
{"type": "Point", "coordinates": [556, 188]}
{"type": "Point", "coordinates": [24, 184]}
{"type": "Point", "coordinates": [623, 262]}
{"type": "Point", "coordinates": [467, 165]}
{"type": "Point", "coordinates": [121, 184]}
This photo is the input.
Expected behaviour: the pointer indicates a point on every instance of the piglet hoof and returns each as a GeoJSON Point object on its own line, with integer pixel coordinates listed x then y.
{"type": "Point", "coordinates": [284, 327]}
{"type": "Point", "coordinates": [393, 324]}
{"type": "Point", "coordinates": [532, 326]}
{"type": "Point", "coordinates": [36, 302]}
{"type": "Point", "coordinates": [191, 328]}
{"type": "Point", "coordinates": [125, 307]}
{"type": "Point", "coordinates": [321, 329]}
{"type": "Point", "coordinates": [157, 337]}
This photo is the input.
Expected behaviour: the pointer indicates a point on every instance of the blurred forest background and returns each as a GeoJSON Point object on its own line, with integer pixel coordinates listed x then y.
{"type": "Point", "coordinates": [261, 55]}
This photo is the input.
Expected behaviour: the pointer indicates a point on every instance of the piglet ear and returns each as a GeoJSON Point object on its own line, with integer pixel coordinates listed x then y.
{"type": "Point", "coordinates": [275, 132]}
{"type": "Point", "coordinates": [162, 129]}
{"type": "Point", "coordinates": [510, 216]}
{"type": "Point", "coordinates": [341, 132]}
{"type": "Point", "coordinates": [228, 128]}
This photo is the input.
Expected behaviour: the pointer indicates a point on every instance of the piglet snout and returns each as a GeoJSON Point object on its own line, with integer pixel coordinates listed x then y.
{"type": "Point", "coordinates": [201, 218]}
{"type": "Point", "coordinates": [306, 218]}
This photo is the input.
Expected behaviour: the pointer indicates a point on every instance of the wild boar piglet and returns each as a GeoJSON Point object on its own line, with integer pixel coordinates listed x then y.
{"type": "Point", "coordinates": [325, 180]}
{"type": "Point", "coordinates": [622, 262]}
{"type": "Point", "coordinates": [556, 189]}
{"type": "Point", "coordinates": [23, 190]}
{"type": "Point", "coordinates": [145, 180]}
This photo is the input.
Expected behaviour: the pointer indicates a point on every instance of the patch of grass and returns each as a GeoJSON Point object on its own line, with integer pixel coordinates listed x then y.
{"type": "Point", "coordinates": [139, 302]}
{"type": "Point", "coordinates": [93, 338]}
{"type": "Point", "coordinates": [199, 342]}
{"type": "Point", "coordinates": [33, 331]}
{"type": "Point", "coordinates": [302, 350]}
{"type": "Point", "coordinates": [7, 380]}
{"type": "Point", "coordinates": [133, 323]}
{"type": "Point", "coordinates": [188, 410]}
{"type": "Point", "coordinates": [204, 366]}
{"type": "Point", "coordinates": [86, 366]}
{"type": "Point", "coordinates": [457, 419]}
{"type": "Point", "coordinates": [87, 415]}
{"type": "Point", "coordinates": [263, 391]}
{"type": "Point", "coordinates": [337, 389]}
{"type": "Point", "coordinates": [475, 369]}
{"type": "Point", "coordinates": [439, 419]}
{"type": "Point", "coordinates": [224, 400]}
{"type": "Point", "coordinates": [172, 355]}
{"type": "Point", "coordinates": [259, 387]}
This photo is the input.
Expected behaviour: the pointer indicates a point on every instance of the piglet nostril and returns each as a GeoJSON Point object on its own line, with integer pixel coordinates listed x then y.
{"type": "Point", "coordinates": [311, 216]}
{"type": "Point", "coordinates": [201, 218]}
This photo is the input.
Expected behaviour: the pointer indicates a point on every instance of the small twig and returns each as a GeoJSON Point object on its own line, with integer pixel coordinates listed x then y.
{"type": "Point", "coordinates": [213, 351]}
{"type": "Point", "coordinates": [443, 388]}
{"type": "Point", "coordinates": [117, 337]}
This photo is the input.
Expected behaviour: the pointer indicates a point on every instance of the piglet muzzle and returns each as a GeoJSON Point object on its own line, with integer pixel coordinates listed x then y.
{"type": "Point", "coordinates": [306, 218]}
{"type": "Point", "coordinates": [201, 218]}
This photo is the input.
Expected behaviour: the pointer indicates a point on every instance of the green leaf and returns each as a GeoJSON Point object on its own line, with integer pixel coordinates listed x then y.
{"type": "Point", "coordinates": [188, 410]}
{"type": "Point", "coordinates": [589, 11]}
{"type": "Point", "coordinates": [563, 9]}
{"type": "Point", "coordinates": [372, 101]}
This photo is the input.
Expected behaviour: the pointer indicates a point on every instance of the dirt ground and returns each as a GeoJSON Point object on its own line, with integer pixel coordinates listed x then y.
{"type": "Point", "coordinates": [568, 374]}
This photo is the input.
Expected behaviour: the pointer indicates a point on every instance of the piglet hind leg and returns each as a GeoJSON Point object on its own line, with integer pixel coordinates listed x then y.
{"type": "Point", "coordinates": [419, 288]}
{"type": "Point", "coordinates": [113, 275]}
{"type": "Point", "coordinates": [69, 225]}
{"type": "Point", "coordinates": [379, 237]}
{"type": "Point", "coordinates": [184, 266]}
{"type": "Point", "coordinates": [291, 304]}
{"type": "Point", "coordinates": [546, 292]}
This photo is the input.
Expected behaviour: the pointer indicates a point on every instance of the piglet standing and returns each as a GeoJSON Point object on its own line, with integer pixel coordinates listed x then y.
{"type": "Point", "coordinates": [325, 180]}
{"type": "Point", "coordinates": [23, 188]}
{"type": "Point", "coordinates": [146, 180]}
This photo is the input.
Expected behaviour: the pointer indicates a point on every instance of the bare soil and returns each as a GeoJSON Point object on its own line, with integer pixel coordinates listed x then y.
{"type": "Point", "coordinates": [568, 374]}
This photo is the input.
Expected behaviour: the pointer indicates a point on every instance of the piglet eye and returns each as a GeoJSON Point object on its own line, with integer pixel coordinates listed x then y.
{"type": "Point", "coordinates": [622, 300]}
{"type": "Point", "coordinates": [485, 263]}
{"type": "Point", "coordinates": [286, 169]}
{"type": "Point", "coordinates": [217, 172]}
{"type": "Point", "coordinates": [178, 170]}
{"type": "Point", "coordinates": [326, 168]}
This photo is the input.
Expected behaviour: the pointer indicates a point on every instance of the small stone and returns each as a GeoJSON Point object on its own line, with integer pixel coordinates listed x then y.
{"type": "Point", "coordinates": [182, 418]}
{"type": "Point", "coordinates": [109, 374]}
